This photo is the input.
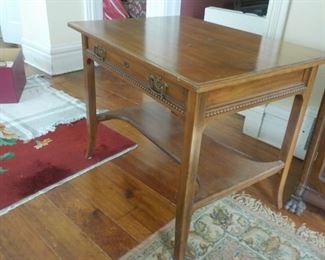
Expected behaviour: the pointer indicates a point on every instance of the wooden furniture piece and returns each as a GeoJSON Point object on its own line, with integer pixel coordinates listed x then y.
{"type": "Point", "coordinates": [199, 71]}
{"type": "Point", "coordinates": [196, 8]}
{"type": "Point", "coordinates": [311, 188]}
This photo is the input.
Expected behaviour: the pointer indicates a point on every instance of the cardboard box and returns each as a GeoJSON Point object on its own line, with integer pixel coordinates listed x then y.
{"type": "Point", "coordinates": [12, 75]}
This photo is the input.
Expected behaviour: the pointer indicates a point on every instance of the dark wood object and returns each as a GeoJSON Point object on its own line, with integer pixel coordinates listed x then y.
{"type": "Point", "coordinates": [199, 72]}
{"type": "Point", "coordinates": [195, 8]}
{"type": "Point", "coordinates": [311, 188]}
{"type": "Point", "coordinates": [258, 7]}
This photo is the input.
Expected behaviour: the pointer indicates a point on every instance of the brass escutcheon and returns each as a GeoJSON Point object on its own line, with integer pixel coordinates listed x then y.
{"type": "Point", "coordinates": [100, 53]}
{"type": "Point", "coordinates": [157, 85]}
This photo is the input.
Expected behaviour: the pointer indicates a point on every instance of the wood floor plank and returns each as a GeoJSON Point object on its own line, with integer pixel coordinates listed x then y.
{"type": "Point", "coordinates": [68, 241]}
{"type": "Point", "coordinates": [142, 196]}
{"type": "Point", "coordinates": [92, 221]}
{"type": "Point", "coordinates": [134, 228]}
{"type": "Point", "coordinates": [111, 181]}
{"type": "Point", "coordinates": [23, 243]}
{"type": "Point", "coordinates": [2, 256]}
{"type": "Point", "coordinates": [150, 223]}
{"type": "Point", "coordinates": [150, 171]}
{"type": "Point", "coordinates": [76, 77]}
{"type": "Point", "coordinates": [103, 194]}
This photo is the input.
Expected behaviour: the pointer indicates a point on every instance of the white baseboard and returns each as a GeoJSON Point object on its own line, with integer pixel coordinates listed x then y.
{"type": "Point", "coordinates": [67, 58]}
{"type": "Point", "coordinates": [37, 56]}
{"type": "Point", "coordinates": [269, 125]}
{"type": "Point", "coordinates": [53, 60]}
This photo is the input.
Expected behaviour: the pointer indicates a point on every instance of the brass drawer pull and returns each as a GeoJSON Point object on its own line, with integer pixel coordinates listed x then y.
{"type": "Point", "coordinates": [157, 85]}
{"type": "Point", "coordinates": [100, 53]}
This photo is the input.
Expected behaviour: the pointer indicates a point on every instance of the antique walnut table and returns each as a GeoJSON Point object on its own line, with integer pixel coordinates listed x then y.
{"type": "Point", "coordinates": [200, 72]}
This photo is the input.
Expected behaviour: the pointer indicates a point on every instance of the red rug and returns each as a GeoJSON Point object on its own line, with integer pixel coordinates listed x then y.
{"type": "Point", "coordinates": [29, 169]}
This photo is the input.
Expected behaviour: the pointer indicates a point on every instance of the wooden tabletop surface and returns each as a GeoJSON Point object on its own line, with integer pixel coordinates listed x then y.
{"type": "Point", "coordinates": [196, 51]}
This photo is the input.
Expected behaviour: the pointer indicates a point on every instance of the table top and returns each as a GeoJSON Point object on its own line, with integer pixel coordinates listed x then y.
{"type": "Point", "coordinates": [199, 52]}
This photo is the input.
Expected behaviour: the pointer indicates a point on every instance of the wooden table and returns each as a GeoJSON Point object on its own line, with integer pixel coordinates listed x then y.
{"type": "Point", "coordinates": [198, 71]}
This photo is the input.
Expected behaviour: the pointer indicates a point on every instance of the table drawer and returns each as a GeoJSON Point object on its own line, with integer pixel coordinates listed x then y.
{"type": "Point", "coordinates": [258, 87]}
{"type": "Point", "coordinates": [152, 80]}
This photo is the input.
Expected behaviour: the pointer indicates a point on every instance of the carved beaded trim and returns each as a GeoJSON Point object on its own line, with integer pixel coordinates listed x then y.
{"type": "Point", "coordinates": [140, 84]}
{"type": "Point", "coordinates": [214, 111]}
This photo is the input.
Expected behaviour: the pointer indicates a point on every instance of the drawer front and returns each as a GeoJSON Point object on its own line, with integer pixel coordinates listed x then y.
{"type": "Point", "coordinates": [155, 82]}
{"type": "Point", "coordinates": [256, 87]}
{"type": "Point", "coordinates": [239, 97]}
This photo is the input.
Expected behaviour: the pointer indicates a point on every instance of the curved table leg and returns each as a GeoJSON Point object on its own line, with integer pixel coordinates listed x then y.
{"type": "Point", "coordinates": [291, 136]}
{"type": "Point", "coordinates": [296, 204]}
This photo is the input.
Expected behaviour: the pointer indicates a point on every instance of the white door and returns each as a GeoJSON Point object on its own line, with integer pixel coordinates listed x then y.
{"type": "Point", "coordinates": [10, 21]}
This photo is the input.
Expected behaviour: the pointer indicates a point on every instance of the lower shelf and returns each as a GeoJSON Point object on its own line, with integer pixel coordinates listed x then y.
{"type": "Point", "coordinates": [222, 170]}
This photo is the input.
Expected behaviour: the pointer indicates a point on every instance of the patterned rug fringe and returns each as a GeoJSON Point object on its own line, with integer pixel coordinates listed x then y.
{"type": "Point", "coordinates": [51, 128]}
{"type": "Point", "coordinates": [314, 238]}
{"type": "Point", "coordinates": [60, 121]}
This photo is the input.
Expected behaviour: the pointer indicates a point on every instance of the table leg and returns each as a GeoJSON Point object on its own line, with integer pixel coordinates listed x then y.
{"type": "Point", "coordinates": [194, 126]}
{"type": "Point", "coordinates": [291, 136]}
{"type": "Point", "coordinates": [90, 90]}
{"type": "Point", "coordinates": [296, 203]}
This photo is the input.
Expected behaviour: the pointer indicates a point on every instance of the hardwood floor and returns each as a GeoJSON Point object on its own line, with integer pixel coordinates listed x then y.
{"type": "Point", "coordinates": [109, 210]}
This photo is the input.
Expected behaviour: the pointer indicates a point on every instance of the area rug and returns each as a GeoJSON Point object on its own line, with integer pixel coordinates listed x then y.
{"type": "Point", "coordinates": [33, 168]}
{"type": "Point", "coordinates": [40, 109]}
{"type": "Point", "coordinates": [236, 227]}
{"type": "Point", "coordinates": [43, 142]}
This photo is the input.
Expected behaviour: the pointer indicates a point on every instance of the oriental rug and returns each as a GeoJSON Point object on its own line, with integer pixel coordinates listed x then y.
{"type": "Point", "coordinates": [43, 143]}
{"type": "Point", "coordinates": [236, 227]}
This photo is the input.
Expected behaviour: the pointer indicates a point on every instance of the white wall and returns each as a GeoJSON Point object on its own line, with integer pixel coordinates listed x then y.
{"type": "Point", "coordinates": [35, 34]}
{"type": "Point", "coordinates": [59, 14]}
{"type": "Point", "coordinates": [306, 26]}
{"type": "Point", "coordinates": [10, 20]}
{"type": "Point", "coordinates": [35, 26]}
{"type": "Point", "coordinates": [1, 7]}
{"type": "Point", "coordinates": [48, 43]}
{"type": "Point", "coordinates": [156, 8]}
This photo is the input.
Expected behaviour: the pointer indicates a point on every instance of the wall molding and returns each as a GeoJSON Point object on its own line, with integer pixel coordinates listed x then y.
{"type": "Point", "coordinates": [37, 55]}
{"type": "Point", "coordinates": [53, 60]}
{"type": "Point", "coordinates": [276, 18]}
{"type": "Point", "coordinates": [93, 9]}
